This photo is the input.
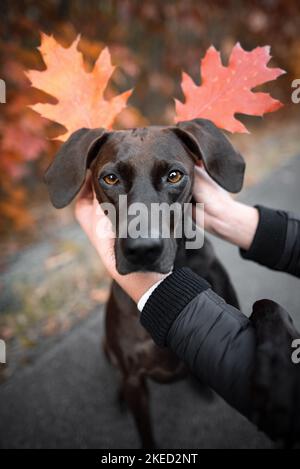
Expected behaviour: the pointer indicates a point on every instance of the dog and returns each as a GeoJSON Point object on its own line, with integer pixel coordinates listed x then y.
{"type": "Point", "coordinates": [154, 164]}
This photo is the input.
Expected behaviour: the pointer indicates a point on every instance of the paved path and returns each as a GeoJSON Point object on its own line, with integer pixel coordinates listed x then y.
{"type": "Point", "coordinates": [67, 397]}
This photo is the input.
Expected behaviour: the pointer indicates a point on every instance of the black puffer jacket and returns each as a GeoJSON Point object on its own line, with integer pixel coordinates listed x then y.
{"type": "Point", "coordinates": [247, 361]}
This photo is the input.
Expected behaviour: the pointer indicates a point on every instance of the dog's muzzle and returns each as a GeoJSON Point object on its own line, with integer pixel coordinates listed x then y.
{"type": "Point", "coordinates": [142, 252]}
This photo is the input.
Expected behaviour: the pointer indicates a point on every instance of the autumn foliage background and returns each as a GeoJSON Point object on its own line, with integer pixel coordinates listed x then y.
{"type": "Point", "coordinates": [151, 43]}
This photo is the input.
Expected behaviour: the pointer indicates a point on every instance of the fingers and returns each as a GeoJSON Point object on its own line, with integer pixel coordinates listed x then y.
{"type": "Point", "coordinates": [203, 177]}
{"type": "Point", "coordinates": [204, 188]}
{"type": "Point", "coordinates": [86, 192]}
{"type": "Point", "coordinates": [207, 191]}
{"type": "Point", "coordinates": [83, 203]}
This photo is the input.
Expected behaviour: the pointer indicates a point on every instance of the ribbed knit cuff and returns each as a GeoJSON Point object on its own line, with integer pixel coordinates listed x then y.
{"type": "Point", "coordinates": [168, 300]}
{"type": "Point", "coordinates": [269, 241]}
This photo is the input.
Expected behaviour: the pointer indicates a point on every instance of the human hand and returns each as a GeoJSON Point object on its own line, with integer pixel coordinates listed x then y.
{"type": "Point", "coordinates": [224, 217]}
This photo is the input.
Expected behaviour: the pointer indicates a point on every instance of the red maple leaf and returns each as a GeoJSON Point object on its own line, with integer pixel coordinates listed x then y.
{"type": "Point", "coordinates": [79, 93]}
{"type": "Point", "coordinates": [226, 91]}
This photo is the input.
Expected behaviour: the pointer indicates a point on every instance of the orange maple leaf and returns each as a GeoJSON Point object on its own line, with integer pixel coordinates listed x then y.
{"type": "Point", "coordinates": [226, 91]}
{"type": "Point", "coordinates": [79, 93]}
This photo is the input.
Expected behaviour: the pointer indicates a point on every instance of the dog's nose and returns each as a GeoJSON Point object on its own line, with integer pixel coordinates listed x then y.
{"type": "Point", "coordinates": [143, 251]}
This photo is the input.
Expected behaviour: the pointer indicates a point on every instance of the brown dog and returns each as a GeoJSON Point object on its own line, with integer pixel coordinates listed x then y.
{"type": "Point", "coordinates": [149, 165]}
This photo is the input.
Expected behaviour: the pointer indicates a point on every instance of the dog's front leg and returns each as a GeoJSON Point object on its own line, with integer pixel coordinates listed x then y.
{"type": "Point", "coordinates": [135, 392]}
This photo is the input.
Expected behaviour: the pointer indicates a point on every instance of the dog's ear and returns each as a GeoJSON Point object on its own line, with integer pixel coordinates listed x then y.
{"type": "Point", "coordinates": [66, 175]}
{"type": "Point", "coordinates": [222, 162]}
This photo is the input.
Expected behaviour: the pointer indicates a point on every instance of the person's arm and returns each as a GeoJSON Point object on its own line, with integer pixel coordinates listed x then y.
{"type": "Point", "coordinates": [276, 242]}
{"type": "Point", "coordinates": [247, 362]}
{"type": "Point", "coordinates": [214, 339]}
{"type": "Point", "coordinates": [268, 237]}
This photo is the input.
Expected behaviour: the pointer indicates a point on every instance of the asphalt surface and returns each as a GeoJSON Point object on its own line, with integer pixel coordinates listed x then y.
{"type": "Point", "coordinates": [67, 397]}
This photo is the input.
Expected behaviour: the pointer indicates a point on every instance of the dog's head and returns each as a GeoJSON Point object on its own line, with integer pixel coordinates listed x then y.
{"type": "Point", "coordinates": [148, 165]}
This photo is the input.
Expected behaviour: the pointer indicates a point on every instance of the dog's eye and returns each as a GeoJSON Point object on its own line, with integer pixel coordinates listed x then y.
{"type": "Point", "coordinates": [111, 179]}
{"type": "Point", "coordinates": [174, 176]}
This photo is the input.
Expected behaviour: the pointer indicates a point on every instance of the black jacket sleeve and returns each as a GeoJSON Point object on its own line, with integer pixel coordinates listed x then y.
{"type": "Point", "coordinates": [235, 356]}
{"type": "Point", "coordinates": [277, 241]}
{"type": "Point", "coordinates": [247, 361]}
